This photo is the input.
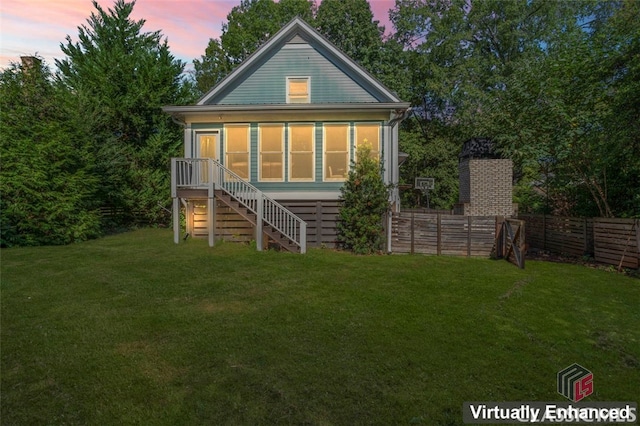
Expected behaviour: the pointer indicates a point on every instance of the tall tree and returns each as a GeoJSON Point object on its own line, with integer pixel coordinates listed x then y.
{"type": "Point", "coordinates": [46, 179]}
{"type": "Point", "coordinates": [122, 77]}
{"type": "Point", "coordinates": [365, 202]}
{"type": "Point", "coordinates": [349, 24]}
{"type": "Point", "coordinates": [248, 26]}
{"type": "Point", "coordinates": [466, 57]}
{"type": "Point", "coordinates": [572, 116]}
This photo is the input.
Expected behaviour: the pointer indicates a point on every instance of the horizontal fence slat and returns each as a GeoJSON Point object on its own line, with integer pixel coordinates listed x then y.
{"type": "Point", "coordinates": [608, 240]}
{"type": "Point", "coordinates": [442, 234]}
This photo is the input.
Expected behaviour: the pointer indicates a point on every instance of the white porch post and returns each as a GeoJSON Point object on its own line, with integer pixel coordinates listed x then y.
{"type": "Point", "coordinates": [303, 237]}
{"type": "Point", "coordinates": [176, 201]}
{"type": "Point", "coordinates": [259, 215]}
{"type": "Point", "coordinates": [211, 209]}
{"type": "Point", "coordinates": [176, 220]}
{"type": "Point", "coordinates": [211, 204]}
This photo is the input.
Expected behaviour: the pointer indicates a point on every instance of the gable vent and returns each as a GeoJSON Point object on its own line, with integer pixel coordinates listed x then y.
{"type": "Point", "coordinates": [296, 39]}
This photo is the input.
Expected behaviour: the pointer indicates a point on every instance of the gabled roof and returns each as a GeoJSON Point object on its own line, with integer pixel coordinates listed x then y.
{"type": "Point", "coordinates": [298, 28]}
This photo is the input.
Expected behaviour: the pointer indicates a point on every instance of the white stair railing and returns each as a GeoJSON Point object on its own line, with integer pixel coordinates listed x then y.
{"type": "Point", "coordinates": [207, 173]}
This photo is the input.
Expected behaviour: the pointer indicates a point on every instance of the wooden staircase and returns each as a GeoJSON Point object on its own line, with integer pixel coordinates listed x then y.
{"type": "Point", "coordinates": [279, 238]}
{"type": "Point", "coordinates": [268, 216]}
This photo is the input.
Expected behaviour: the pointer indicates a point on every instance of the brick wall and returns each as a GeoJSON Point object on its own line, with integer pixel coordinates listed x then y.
{"type": "Point", "coordinates": [486, 187]}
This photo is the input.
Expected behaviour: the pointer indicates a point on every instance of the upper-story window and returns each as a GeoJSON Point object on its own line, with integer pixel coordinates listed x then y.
{"type": "Point", "coordinates": [298, 90]}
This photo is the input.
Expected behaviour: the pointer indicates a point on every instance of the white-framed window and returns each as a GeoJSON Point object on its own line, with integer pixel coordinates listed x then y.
{"type": "Point", "coordinates": [336, 151]}
{"type": "Point", "coordinates": [369, 133]}
{"type": "Point", "coordinates": [301, 152]}
{"type": "Point", "coordinates": [298, 90]}
{"type": "Point", "coordinates": [271, 148]}
{"type": "Point", "coordinates": [236, 145]}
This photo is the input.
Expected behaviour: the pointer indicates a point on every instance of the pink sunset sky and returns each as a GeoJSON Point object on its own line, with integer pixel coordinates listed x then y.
{"type": "Point", "coordinates": [29, 27]}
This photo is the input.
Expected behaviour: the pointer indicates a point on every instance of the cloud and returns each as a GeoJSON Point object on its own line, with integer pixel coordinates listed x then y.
{"type": "Point", "coordinates": [40, 26]}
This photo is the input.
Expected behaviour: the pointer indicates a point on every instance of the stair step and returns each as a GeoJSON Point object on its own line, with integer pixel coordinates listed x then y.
{"type": "Point", "coordinates": [283, 241]}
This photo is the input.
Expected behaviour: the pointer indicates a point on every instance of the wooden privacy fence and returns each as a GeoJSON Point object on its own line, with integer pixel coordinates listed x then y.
{"type": "Point", "coordinates": [610, 241]}
{"type": "Point", "coordinates": [443, 234]}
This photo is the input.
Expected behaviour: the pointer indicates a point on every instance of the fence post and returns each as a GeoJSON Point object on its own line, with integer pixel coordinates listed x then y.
{"type": "Point", "coordinates": [637, 224]}
{"type": "Point", "coordinates": [584, 236]}
{"type": "Point", "coordinates": [439, 233]}
{"type": "Point", "coordinates": [413, 224]}
{"type": "Point", "coordinates": [544, 232]}
{"type": "Point", "coordinates": [468, 236]}
{"type": "Point", "coordinates": [500, 245]}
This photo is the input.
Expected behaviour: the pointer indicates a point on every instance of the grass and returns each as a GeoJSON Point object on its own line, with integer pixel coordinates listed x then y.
{"type": "Point", "coordinates": [132, 329]}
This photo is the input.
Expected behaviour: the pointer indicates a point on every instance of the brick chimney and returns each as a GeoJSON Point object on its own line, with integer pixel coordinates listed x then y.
{"type": "Point", "coordinates": [486, 181]}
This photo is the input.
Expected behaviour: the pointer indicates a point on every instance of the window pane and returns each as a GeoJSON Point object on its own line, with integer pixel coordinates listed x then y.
{"type": "Point", "coordinates": [271, 138]}
{"type": "Point", "coordinates": [301, 166]}
{"type": "Point", "coordinates": [237, 149]}
{"type": "Point", "coordinates": [301, 137]}
{"type": "Point", "coordinates": [301, 149]}
{"type": "Point", "coordinates": [237, 139]}
{"type": "Point", "coordinates": [298, 87]}
{"type": "Point", "coordinates": [369, 133]}
{"type": "Point", "coordinates": [208, 146]}
{"type": "Point", "coordinates": [336, 137]}
{"type": "Point", "coordinates": [298, 90]}
{"type": "Point", "coordinates": [271, 166]}
{"type": "Point", "coordinates": [336, 165]}
{"type": "Point", "coordinates": [336, 151]}
{"type": "Point", "coordinates": [239, 164]}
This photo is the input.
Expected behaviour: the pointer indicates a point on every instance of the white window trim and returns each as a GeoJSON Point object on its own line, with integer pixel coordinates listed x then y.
{"type": "Point", "coordinates": [225, 151]}
{"type": "Point", "coordinates": [313, 151]}
{"type": "Point", "coordinates": [308, 88]}
{"type": "Point", "coordinates": [260, 126]}
{"type": "Point", "coordinates": [324, 151]}
{"type": "Point", "coordinates": [196, 140]}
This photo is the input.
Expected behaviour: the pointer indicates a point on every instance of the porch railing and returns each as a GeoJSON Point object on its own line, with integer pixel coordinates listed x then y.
{"type": "Point", "coordinates": [207, 173]}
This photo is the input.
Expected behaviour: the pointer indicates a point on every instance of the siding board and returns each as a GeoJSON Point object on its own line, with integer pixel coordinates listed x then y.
{"type": "Point", "coordinates": [267, 83]}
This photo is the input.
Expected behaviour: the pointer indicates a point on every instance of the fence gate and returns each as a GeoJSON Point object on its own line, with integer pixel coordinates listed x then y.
{"type": "Point", "coordinates": [510, 242]}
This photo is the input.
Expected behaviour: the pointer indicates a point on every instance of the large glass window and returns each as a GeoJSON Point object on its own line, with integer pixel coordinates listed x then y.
{"type": "Point", "coordinates": [237, 149]}
{"type": "Point", "coordinates": [298, 91]}
{"type": "Point", "coordinates": [336, 151]}
{"type": "Point", "coordinates": [301, 152]}
{"type": "Point", "coordinates": [271, 152]}
{"type": "Point", "coordinates": [369, 133]}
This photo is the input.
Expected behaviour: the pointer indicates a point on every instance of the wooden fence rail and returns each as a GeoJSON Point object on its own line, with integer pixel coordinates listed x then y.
{"type": "Point", "coordinates": [610, 241]}
{"type": "Point", "coordinates": [443, 234]}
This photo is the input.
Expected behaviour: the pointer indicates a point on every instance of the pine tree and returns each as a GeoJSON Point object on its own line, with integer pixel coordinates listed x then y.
{"type": "Point", "coordinates": [365, 203]}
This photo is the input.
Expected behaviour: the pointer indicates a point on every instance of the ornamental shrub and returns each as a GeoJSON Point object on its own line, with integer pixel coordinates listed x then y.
{"type": "Point", "coordinates": [365, 203]}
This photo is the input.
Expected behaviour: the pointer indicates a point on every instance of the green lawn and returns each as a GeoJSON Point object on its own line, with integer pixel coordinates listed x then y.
{"type": "Point", "coordinates": [132, 329]}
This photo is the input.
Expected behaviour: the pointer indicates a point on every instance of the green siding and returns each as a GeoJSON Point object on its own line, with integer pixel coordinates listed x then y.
{"type": "Point", "coordinates": [267, 83]}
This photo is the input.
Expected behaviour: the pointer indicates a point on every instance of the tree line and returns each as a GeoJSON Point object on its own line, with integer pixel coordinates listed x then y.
{"type": "Point", "coordinates": [554, 84]}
